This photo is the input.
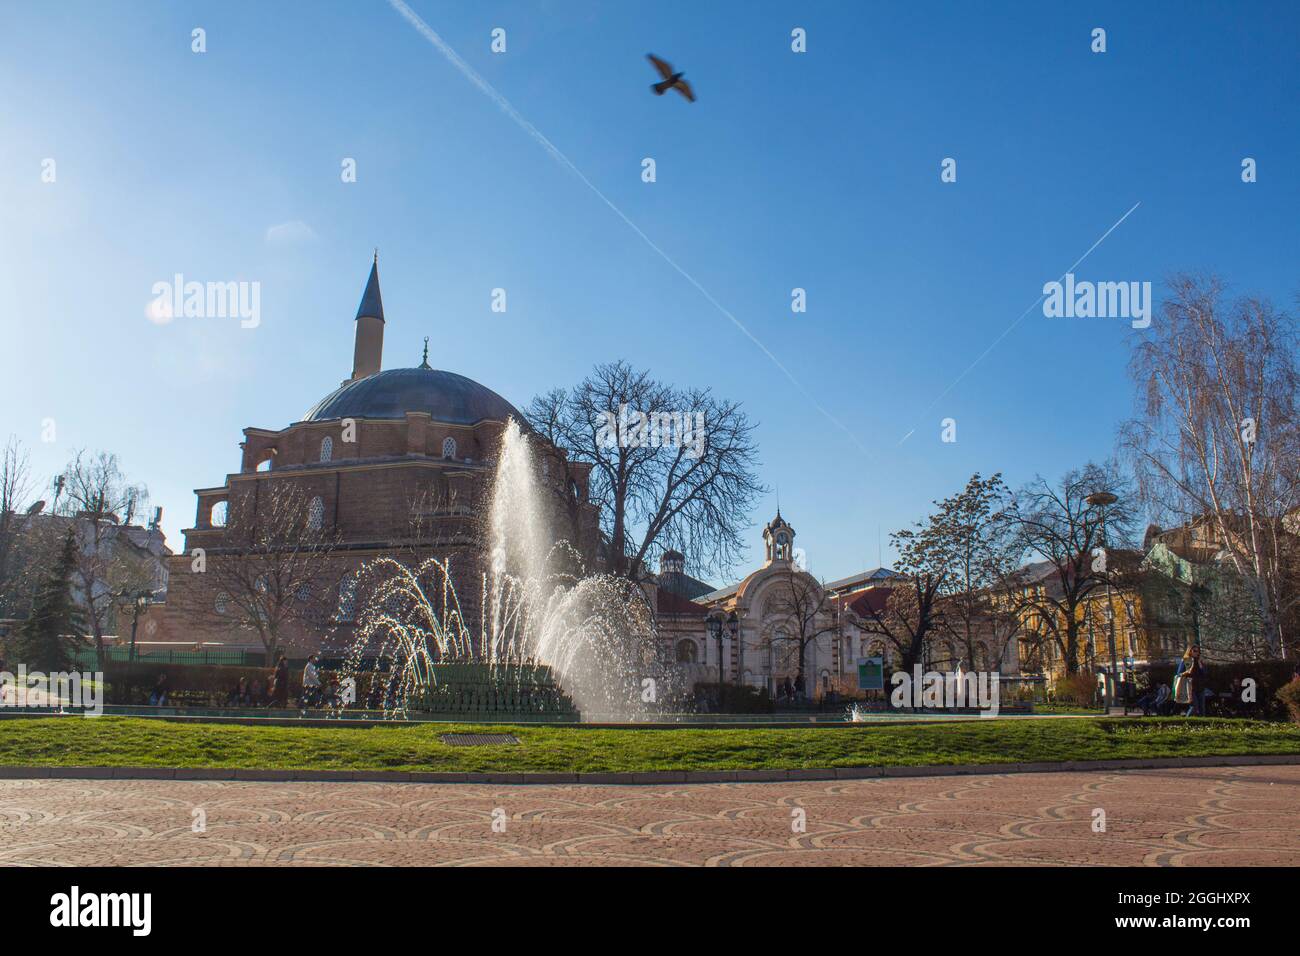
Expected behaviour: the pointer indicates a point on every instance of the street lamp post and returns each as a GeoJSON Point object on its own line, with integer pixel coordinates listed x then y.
{"type": "Point", "coordinates": [715, 631]}
{"type": "Point", "coordinates": [733, 628]}
{"type": "Point", "coordinates": [1101, 500]}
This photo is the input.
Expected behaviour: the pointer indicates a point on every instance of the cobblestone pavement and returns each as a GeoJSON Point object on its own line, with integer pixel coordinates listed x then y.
{"type": "Point", "coordinates": [1190, 817]}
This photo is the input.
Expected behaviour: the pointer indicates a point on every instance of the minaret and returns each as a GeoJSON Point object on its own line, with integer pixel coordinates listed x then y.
{"type": "Point", "coordinates": [368, 354]}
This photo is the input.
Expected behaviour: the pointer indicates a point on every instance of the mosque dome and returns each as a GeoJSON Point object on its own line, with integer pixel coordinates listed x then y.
{"type": "Point", "coordinates": [445, 396]}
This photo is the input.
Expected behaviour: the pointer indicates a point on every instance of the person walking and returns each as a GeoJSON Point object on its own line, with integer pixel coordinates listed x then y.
{"type": "Point", "coordinates": [159, 696]}
{"type": "Point", "coordinates": [311, 683]}
{"type": "Point", "coordinates": [280, 683]}
{"type": "Point", "coordinates": [1195, 672]}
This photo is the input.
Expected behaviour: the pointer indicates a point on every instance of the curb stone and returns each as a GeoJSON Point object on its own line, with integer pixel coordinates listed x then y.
{"type": "Point", "coordinates": [145, 773]}
{"type": "Point", "coordinates": [422, 776]}
{"type": "Point", "coordinates": [281, 776]}
{"type": "Point", "coordinates": [81, 773]}
{"type": "Point", "coordinates": [636, 778]}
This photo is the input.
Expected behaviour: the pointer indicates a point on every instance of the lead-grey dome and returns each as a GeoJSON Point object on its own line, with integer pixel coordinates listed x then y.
{"type": "Point", "coordinates": [446, 396]}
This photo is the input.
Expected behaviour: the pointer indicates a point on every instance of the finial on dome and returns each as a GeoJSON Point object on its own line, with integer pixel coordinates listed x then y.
{"type": "Point", "coordinates": [424, 363]}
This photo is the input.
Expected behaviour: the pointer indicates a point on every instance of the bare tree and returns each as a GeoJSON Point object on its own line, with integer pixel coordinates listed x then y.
{"type": "Point", "coordinates": [1216, 439]}
{"type": "Point", "coordinates": [671, 467]}
{"type": "Point", "coordinates": [17, 567]}
{"type": "Point", "coordinates": [270, 569]}
{"type": "Point", "coordinates": [99, 500]}
{"type": "Point", "coordinates": [1059, 525]}
{"type": "Point", "coordinates": [549, 416]}
{"type": "Point", "coordinates": [800, 603]}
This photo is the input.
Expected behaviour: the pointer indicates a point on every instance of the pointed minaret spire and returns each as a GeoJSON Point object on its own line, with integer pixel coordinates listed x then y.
{"type": "Point", "coordinates": [367, 355]}
{"type": "Point", "coordinates": [372, 304]}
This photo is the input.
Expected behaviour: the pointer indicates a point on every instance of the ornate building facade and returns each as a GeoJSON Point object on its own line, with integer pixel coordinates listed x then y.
{"type": "Point", "coordinates": [793, 634]}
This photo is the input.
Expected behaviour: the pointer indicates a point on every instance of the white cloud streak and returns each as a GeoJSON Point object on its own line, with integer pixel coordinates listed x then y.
{"type": "Point", "coordinates": [505, 106]}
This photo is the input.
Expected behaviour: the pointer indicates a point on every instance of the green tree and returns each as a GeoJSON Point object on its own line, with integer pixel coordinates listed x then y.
{"type": "Point", "coordinates": [46, 639]}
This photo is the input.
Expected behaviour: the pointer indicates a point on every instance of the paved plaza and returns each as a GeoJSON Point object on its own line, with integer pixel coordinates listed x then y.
{"type": "Point", "coordinates": [1185, 817]}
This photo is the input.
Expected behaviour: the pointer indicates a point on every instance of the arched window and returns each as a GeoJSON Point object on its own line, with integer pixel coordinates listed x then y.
{"type": "Point", "coordinates": [316, 514]}
{"type": "Point", "coordinates": [326, 448]}
{"type": "Point", "coordinates": [687, 652]}
{"type": "Point", "coordinates": [217, 516]}
{"type": "Point", "coordinates": [304, 592]}
{"type": "Point", "coordinates": [222, 603]}
{"type": "Point", "coordinates": [264, 464]}
{"type": "Point", "coordinates": [347, 598]}
{"type": "Point", "coordinates": [449, 447]}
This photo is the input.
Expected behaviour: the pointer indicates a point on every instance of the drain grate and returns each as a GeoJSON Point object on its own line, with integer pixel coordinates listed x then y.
{"type": "Point", "coordinates": [478, 740]}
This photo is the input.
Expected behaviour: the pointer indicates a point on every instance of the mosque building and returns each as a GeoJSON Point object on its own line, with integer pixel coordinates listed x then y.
{"type": "Point", "coordinates": [392, 461]}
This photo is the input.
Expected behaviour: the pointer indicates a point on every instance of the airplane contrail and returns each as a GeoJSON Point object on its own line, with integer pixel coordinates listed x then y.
{"type": "Point", "coordinates": [505, 106]}
{"type": "Point", "coordinates": [1020, 318]}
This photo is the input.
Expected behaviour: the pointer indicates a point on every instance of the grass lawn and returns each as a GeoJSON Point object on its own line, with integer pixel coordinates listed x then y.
{"type": "Point", "coordinates": [134, 742]}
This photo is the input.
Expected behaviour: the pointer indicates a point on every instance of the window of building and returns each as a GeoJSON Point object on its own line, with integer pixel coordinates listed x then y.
{"type": "Point", "coordinates": [222, 603]}
{"type": "Point", "coordinates": [449, 447]}
{"type": "Point", "coordinates": [316, 514]}
{"type": "Point", "coordinates": [687, 652]}
{"type": "Point", "coordinates": [326, 448]}
{"type": "Point", "coordinates": [217, 516]}
{"type": "Point", "coordinates": [264, 465]}
{"type": "Point", "coordinates": [347, 598]}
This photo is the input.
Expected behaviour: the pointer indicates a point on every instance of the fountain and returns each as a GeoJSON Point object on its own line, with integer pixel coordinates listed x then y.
{"type": "Point", "coordinates": [550, 636]}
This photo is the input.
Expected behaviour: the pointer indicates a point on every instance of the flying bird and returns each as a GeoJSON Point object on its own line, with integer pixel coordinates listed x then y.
{"type": "Point", "coordinates": [671, 81]}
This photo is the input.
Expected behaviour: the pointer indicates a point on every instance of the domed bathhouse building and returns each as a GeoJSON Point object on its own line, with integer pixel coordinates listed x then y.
{"type": "Point", "coordinates": [393, 462]}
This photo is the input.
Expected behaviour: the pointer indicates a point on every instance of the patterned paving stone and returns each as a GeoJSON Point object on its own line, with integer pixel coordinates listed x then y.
{"type": "Point", "coordinates": [1188, 817]}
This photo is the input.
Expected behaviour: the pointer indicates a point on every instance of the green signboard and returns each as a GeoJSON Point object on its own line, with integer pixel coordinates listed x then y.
{"type": "Point", "coordinates": [871, 673]}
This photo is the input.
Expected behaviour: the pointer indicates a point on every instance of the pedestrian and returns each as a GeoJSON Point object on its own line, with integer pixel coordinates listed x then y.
{"type": "Point", "coordinates": [1196, 688]}
{"type": "Point", "coordinates": [158, 697]}
{"type": "Point", "coordinates": [280, 683]}
{"type": "Point", "coordinates": [311, 683]}
{"type": "Point", "coordinates": [1147, 702]}
{"type": "Point", "coordinates": [238, 694]}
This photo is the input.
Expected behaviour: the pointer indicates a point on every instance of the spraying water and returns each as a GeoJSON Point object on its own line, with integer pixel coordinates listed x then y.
{"type": "Point", "coordinates": [540, 613]}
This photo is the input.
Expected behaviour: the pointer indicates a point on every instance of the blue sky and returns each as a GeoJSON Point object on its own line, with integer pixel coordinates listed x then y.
{"type": "Point", "coordinates": [817, 170]}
